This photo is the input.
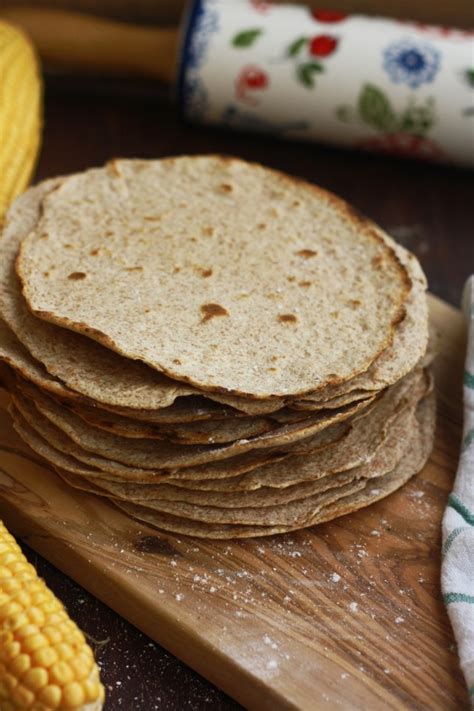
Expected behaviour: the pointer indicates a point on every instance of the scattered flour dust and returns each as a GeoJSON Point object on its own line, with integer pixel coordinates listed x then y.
{"type": "Point", "coordinates": [335, 577]}
{"type": "Point", "coordinates": [353, 606]}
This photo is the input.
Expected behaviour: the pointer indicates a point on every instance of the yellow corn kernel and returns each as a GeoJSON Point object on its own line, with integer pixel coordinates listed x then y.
{"type": "Point", "coordinates": [35, 679]}
{"type": "Point", "coordinates": [61, 673]}
{"type": "Point", "coordinates": [20, 665]}
{"type": "Point", "coordinates": [45, 662]}
{"type": "Point", "coordinates": [50, 696]}
{"type": "Point", "coordinates": [34, 642]}
{"type": "Point", "coordinates": [64, 650]}
{"type": "Point", "coordinates": [23, 697]}
{"type": "Point", "coordinates": [20, 113]}
{"type": "Point", "coordinates": [73, 695]}
{"type": "Point", "coordinates": [45, 657]}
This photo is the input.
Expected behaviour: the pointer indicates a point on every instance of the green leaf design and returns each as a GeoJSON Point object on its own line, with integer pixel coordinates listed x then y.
{"type": "Point", "coordinates": [296, 46]}
{"type": "Point", "coordinates": [305, 73]}
{"type": "Point", "coordinates": [418, 119]}
{"type": "Point", "coordinates": [246, 38]}
{"type": "Point", "coordinates": [375, 109]}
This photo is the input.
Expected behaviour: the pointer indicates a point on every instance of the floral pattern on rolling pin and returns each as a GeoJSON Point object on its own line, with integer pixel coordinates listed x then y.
{"type": "Point", "coordinates": [293, 71]}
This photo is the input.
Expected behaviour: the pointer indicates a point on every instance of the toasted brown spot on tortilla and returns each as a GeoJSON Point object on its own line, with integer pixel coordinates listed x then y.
{"type": "Point", "coordinates": [177, 361]}
{"type": "Point", "coordinates": [355, 303]}
{"type": "Point", "coordinates": [94, 252]}
{"type": "Point", "coordinates": [226, 188]}
{"type": "Point", "coordinates": [306, 253]}
{"type": "Point", "coordinates": [208, 231]}
{"type": "Point", "coordinates": [261, 225]}
{"type": "Point", "coordinates": [211, 310]}
{"type": "Point", "coordinates": [133, 269]}
{"type": "Point", "coordinates": [152, 218]}
{"type": "Point", "coordinates": [290, 278]}
{"type": "Point", "coordinates": [77, 276]}
{"type": "Point", "coordinates": [205, 272]}
{"type": "Point", "coordinates": [377, 261]}
{"type": "Point", "coordinates": [287, 318]}
{"type": "Point", "coordinates": [304, 284]}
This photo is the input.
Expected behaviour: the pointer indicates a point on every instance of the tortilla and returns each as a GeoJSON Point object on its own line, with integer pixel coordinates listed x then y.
{"type": "Point", "coordinates": [53, 443]}
{"type": "Point", "coordinates": [160, 454]}
{"type": "Point", "coordinates": [381, 462]}
{"type": "Point", "coordinates": [180, 235]}
{"type": "Point", "coordinates": [411, 463]}
{"type": "Point", "coordinates": [96, 374]}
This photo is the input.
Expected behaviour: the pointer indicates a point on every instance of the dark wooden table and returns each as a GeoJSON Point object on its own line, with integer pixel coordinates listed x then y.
{"type": "Point", "coordinates": [427, 208]}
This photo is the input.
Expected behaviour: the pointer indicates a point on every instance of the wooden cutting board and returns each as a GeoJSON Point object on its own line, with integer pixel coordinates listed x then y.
{"type": "Point", "coordinates": [347, 615]}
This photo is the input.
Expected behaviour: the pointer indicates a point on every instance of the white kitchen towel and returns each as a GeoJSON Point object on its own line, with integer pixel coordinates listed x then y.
{"type": "Point", "coordinates": [457, 573]}
{"type": "Point", "coordinates": [372, 83]}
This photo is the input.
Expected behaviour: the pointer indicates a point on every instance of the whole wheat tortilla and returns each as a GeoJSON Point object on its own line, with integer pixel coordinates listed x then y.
{"type": "Point", "coordinates": [210, 432]}
{"type": "Point", "coordinates": [103, 377]}
{"type": "Point", "coordinates": [213, 431]}
{"type": "Point", "coordinates": [384, 460]}
{"type": "Point", "coordinates": [206, 430]}
{"type": "Point", "coordinates": [54, 442]}
{"type": "Point", "coordinates": [411, 463]}
{"type": "Point", "coordinates": [358, 448]}
{"type": "Point", "coordinates": [284, 486]}
{"type": "Point", "coordinates": [281, 506]}
{"type": "Point", "coordinates": [339, 447]}
{"type": "Point", "coordinates": [159, 454]}
{"type": "Point", "coordinates": [180, 235]}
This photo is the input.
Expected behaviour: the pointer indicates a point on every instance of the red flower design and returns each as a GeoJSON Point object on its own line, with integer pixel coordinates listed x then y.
{"type": "Point", "coordinates": [322, 45]}
{"type": "Point", "coordinates": [328, 15]}
{"type": "Point", "coordinates": [251, 78]}
{"type": "Point", "coordinates": [261, 6]}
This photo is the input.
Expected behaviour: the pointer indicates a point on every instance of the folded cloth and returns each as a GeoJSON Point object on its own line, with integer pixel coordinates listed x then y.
{"type": "Point", "coordinates": [457, 573]}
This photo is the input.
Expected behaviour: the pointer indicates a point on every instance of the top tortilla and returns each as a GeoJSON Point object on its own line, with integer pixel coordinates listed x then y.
{"type": "Point", "coordinates": [74, 367]}
{"type": "Point", "coordinates": [216, 272]}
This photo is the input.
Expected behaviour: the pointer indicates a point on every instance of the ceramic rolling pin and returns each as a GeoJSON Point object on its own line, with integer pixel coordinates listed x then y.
{"type": "Point", "coordinates": [364, 82]}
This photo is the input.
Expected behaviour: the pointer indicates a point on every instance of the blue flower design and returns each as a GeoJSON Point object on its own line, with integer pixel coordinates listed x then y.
{"type": "Point", "coordinates": [411, 63]}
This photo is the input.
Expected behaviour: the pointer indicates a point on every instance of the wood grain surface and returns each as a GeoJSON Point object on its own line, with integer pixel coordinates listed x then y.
{"type": "Point", "coordinates": [346, 615]}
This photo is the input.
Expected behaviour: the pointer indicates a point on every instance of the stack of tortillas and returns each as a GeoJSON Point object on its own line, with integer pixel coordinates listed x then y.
{"type": "Point", "coordinates": [219, 349]}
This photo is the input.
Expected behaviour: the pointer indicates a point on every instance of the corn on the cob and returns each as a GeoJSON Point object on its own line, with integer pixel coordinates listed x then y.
{"type": "Point", "coordinates": [20, 113]}
{"type": "Point", "coordinates": [45, 662]}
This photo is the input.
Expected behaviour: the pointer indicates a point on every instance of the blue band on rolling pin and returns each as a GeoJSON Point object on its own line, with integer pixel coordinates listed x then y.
{"type": "Point", "coordinates": [372, 83]}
